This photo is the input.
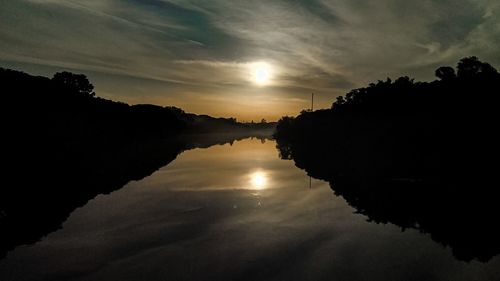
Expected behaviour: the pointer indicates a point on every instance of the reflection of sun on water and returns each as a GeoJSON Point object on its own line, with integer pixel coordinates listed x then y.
{"type": "Point", "coordinates": [258, 180]}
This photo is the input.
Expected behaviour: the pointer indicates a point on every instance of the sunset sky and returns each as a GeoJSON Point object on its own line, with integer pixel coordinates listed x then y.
{"type": "Point", "coordinates": [247, 59]}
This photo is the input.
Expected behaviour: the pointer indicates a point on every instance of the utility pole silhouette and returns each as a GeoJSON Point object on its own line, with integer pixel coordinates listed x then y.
{"type": "Point", "coordinates": [312, 102]}
{"type": "Point", "coordinates": [312, 109]}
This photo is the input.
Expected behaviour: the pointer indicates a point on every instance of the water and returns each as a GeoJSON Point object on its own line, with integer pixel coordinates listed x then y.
{"type": "Point", "coordinates": [233, 212]}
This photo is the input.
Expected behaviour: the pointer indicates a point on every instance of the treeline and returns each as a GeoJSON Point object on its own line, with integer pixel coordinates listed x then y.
{"type": "Point", "coordinates": [419, 155]}
{"type": "Point", "coordinates": [66, 108]}
{"type": "Point", "coordinates": [203, 124]}
{"type": "Point", "coordinates": [408, 127]}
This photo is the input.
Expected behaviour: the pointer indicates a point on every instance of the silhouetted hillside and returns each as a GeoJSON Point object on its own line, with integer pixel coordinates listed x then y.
{"type": "Point", "coordinates": [416, 154]}
{"type": "Point", "coordinates": [202, 124]}
{"type": "Point", "coordinates": [65, 108]}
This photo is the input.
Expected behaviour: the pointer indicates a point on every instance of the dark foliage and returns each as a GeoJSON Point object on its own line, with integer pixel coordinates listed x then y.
{"type": "Point", "coordinates": [65, 108]}
{"type": "Point", "coordinates": [416, 154]}
{"type": "Point", "coordinates": [76, 84]}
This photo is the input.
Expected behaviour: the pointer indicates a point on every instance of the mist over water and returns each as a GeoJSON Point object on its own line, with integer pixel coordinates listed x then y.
{"type": "Point", "coordinates": [233, 212]}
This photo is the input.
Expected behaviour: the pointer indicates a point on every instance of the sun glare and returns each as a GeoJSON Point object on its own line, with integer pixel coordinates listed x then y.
{"type": "Point", "coordinates": [258, 180]}
{"type": "Point", "coordinates": [261, 73]}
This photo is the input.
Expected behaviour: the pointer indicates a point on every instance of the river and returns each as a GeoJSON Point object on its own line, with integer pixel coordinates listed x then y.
{"type": "Point", "coordinates": [233, 212]}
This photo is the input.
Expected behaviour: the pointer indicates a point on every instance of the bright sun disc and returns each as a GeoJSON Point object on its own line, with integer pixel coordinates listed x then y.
{"type": "Point", "coordinates": [261, 73]}
{"type": "Point", "coordinates": [258, 180]}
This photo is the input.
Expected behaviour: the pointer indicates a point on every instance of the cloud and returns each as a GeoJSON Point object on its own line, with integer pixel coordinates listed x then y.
{"type": "Point", "coordinates": [363, 40]}
{"type": "Point", "coordinates": [204, 47]}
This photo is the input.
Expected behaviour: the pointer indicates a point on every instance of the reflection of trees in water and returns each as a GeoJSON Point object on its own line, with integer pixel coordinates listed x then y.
{"type": "Point", "coordinates": [460, 212]}
{"type": "Point", "coordinates": [45, 193]}
{"type": "Point", "coordinates": [418, 155]}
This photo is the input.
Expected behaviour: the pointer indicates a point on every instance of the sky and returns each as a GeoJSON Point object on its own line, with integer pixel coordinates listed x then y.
{"type": "Point", "coordinates": [245, 59]}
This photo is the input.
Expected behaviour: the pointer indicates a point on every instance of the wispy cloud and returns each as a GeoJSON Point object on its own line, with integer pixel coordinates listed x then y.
{"type": "Point", "coordinates": [204, 48]}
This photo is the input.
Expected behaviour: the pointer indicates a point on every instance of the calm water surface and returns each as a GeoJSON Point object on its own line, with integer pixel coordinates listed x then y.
{"type": "Point", "coordinates": [233, 212]}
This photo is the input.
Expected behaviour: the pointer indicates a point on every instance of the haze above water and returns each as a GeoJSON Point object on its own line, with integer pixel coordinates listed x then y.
{"type": "Point", "coordinates": [233, 212]}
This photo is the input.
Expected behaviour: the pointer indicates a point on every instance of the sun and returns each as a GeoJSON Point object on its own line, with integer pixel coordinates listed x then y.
{"type": "Point", "coordinates": [258, 180]}
{"type": "Point", "coordinates": [261, 73]}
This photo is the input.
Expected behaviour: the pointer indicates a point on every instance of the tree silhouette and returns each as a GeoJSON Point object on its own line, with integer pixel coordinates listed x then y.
{"type": "Point", "coordinates": [445, 73]}
{"type": "Point", "coordinates": [416, 154]}
{"type": "Point", "coordinates": [77, 83]}
{"type": "Point", "coordinates": [472, 66]}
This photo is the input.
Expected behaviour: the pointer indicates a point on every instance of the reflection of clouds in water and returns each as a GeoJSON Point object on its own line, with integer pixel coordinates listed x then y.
{"type": "Point", "coordinates": [238, 206]}
{"type": "Point", "coordinates": [247, 164]}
